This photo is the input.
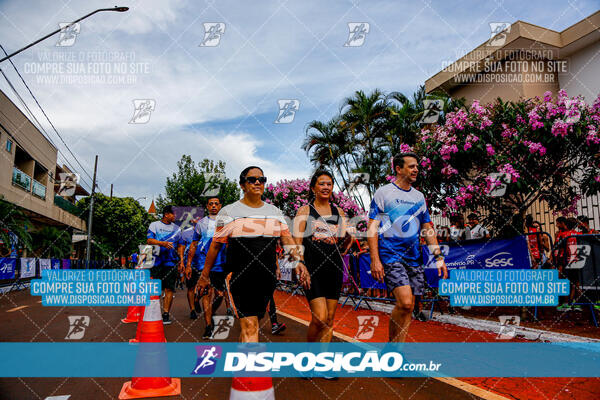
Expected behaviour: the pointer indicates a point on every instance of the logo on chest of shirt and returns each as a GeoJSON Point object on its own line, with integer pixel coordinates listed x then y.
{"type": "Point", "coordinates": [401, 201]}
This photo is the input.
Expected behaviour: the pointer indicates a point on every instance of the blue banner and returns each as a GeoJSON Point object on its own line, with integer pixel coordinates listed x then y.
{"type": "Point", "coordinates": [510, 253]}
{"type": "Point", "coordinates": [366, 280]}
{"type": "Point", "coordinates": [8, 267]}
{"type": "Point", "coordinates": [225, 359]}
{"type": "Point", "coordinates": [55, 263]}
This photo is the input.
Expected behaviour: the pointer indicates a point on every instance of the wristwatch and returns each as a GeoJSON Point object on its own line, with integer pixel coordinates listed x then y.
{"type": "Point", "coordinates": [438, 256]}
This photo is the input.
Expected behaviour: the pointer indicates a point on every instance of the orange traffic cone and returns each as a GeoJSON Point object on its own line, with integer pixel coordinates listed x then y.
{"type": "Point", "coordinates": [141, 324]}
{"type": "Point", "coordinates": [151, 330]}
{"type": "Point", "coordinates": [133, 314]}
{"type": "Point", "coordinates": [255, 388]}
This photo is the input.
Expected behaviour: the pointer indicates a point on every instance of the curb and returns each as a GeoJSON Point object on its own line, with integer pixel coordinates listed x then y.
{"type": "Point", "coordinates": [532, 334]}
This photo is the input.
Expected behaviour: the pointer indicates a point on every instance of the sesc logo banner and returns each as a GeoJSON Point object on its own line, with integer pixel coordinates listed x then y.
{"type": "Point", "coordinates": [492, 254]}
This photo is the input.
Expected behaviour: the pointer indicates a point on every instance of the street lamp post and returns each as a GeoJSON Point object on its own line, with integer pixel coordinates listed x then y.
{"type": "Point", "coordinates": [117, 9]}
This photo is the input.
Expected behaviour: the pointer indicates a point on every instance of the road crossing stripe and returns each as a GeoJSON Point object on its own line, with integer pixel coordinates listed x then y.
{"type": "Point", "coordinates": [457, 383]}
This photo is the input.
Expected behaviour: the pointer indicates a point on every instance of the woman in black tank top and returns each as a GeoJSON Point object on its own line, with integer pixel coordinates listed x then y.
{"type": "Point", "coordinates": [320, 228]}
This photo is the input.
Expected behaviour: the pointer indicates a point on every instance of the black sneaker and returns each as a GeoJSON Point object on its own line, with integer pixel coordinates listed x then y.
{"type": "Point", "coordinates": [208, 332]}
{"type": "Point", "coordinates": [277, 327]}
{"type": "Point", "coordinates": [166, 319]}
{"type": "Point", "coordinates": [193, 314]}
{"type": "Point", "coordinates": [419, 316]}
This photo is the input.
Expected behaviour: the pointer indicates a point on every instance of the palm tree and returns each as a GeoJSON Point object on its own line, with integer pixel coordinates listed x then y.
{"type": "Point", "coordinates": [322, 144]}
{"type": "Point", "coordinates": [52, 242]}
{"type": "Point", "coordinates": [366, 117]}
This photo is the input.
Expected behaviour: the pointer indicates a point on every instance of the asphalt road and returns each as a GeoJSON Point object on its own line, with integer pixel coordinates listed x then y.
{"type": "Point", "coordinates": [24, 319]}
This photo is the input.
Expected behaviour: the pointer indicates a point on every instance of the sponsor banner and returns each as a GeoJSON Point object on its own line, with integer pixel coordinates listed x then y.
{"type": "Point", "coordinates": [286, 268]}
{"type": "Point", "coordinates": [510, 253]}
{"type": "Point", "coordinates": [45, 263]}
{"type": "Point", "coordinates": [65, 263]}
{"type": "Point", "coordinates": [8, 267]}
{"type": "Point", "coordinates": [27, 267]}
{"type": "Point", "coordinates": [226, 359]}
{"type": "Point", "coordinates": [56, 264]}
{"type": "Point", "coordinates": [366, 280]}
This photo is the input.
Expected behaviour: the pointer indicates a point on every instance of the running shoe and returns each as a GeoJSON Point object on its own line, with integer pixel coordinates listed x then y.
{"type": "Point", "coordinates": [166, 319]}
{"type": "Point", "coordinates": [420, 316]}
{"type": "Point", "coordinates": [577, 308]}
{"type": "Point", "coordinates": [193, 314]}
{"type": "Point", "coordinates": [563, 307]}
{"type": "Point", "coordinates": [330, 378]}
{"type": "Point", "coordinates": [597, 307]}
{"type": "Point", "coordinates": [208, 332]}
{"type": "Point", "coordinates": [277, 327]}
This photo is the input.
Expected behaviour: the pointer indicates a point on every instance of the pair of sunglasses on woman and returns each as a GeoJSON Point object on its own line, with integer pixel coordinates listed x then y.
{"type": "Point", "coordinates": [254, 179]}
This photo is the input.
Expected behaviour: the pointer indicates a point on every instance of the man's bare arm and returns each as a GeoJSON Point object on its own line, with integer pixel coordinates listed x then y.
{"type": "Point", "coordinates": [434, 248]}
{"type": "Point", "coordinates": [373, 240]}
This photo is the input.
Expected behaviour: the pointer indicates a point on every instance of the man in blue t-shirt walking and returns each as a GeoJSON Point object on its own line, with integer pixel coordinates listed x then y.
{"type": "Point", "coordinates": [169, 263]}
{"type": "Point", "coordinates": [203, 234]}
{"type": "Point", "coordinates": [397, 218]}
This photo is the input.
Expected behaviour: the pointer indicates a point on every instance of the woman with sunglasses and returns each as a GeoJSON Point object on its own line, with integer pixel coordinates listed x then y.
{"type": "Point", "coordinates": [250, 228]}
{"type": "Point", "coordinates": [320, 228]}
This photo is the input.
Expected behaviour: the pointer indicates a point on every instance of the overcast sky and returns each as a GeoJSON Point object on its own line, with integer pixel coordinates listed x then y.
{"type": "Point", "coordinates": [220, 101]}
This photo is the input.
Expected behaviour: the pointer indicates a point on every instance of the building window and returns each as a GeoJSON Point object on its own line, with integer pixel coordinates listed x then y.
{"type": "Point", "coordinates": [9, 145]}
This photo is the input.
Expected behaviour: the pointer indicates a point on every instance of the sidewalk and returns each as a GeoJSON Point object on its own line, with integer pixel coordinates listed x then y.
{"type": "Point", "coordinates": [346, 323]}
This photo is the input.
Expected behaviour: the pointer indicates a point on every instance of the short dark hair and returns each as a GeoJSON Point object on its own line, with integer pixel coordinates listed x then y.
{"type": "Point", "coordinates": [561, 220]}
{"type": "Point", "coordinates": [571, 223]}
{"type": "Point", "coordinates": [167, 210]}
{"type": "Point", "coordinates": [209, 198]}
{"type": "Point", "coordinates": [245, 172]}
{"type": "Point", "coordinates": [472, 216]}
{"type": "Point", "coordinates": [398, 160]}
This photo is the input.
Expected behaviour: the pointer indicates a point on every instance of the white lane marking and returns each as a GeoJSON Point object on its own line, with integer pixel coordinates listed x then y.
{"type": "Point", "coordinates": [16, 308]}
{"type": "Point", "coordinates": [467, 387]}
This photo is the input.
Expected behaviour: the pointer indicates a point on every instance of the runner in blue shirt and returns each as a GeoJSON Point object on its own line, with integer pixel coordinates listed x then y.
{"type": "Point", "coordinates": [203, 234]}
{"type": "Point", "coordinates": [166, 234]}
{"type": "Point", "coordinates": [397, 218]}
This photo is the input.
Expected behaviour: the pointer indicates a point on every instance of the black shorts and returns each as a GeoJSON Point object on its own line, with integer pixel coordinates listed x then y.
{"type": "Point", "coordinates": [168, 275]}
{"type": "Point", "coordinates": [191, 283]}
{"type": "Point", "coordinates": [325, 281]}
{"type": "Point", "coordinates": [251, 291]}
{"type": "Point", "coordinates": [217, 280]}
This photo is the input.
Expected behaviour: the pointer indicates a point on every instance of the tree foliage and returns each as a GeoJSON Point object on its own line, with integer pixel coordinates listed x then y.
{"type": "Point", "coordinates": [52, 242]}
{"type": "Point", "coordinates": [188, 186]}
{"type": "Point", "coordinates": [13, 221]}
{"type": "Point", "coordinates": [546, 149]}
{"type": "Point", "coordinates": [367, 132]}
{"type": "Point", "coordinates": [119, 224]}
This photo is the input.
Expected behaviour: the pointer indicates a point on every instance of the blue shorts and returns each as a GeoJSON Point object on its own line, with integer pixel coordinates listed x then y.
{"type": "Point", "coordinates": [399, 274]}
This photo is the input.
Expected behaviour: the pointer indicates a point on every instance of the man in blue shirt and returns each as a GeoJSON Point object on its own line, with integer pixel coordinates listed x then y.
{"type": "Point", "coordinates": [203, 235]}
{"type": "Point", "coordinates": [397, 218]}
{"type": "Point", "coordinates": [166, 234]}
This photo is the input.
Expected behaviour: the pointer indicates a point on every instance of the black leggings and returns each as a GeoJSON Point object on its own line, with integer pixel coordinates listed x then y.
{"type": "Point", "coordinates": [272, 311]}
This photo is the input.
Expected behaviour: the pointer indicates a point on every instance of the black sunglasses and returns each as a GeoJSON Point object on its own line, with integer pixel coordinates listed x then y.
{"type": "Point", "coordinates": [254, 179]}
